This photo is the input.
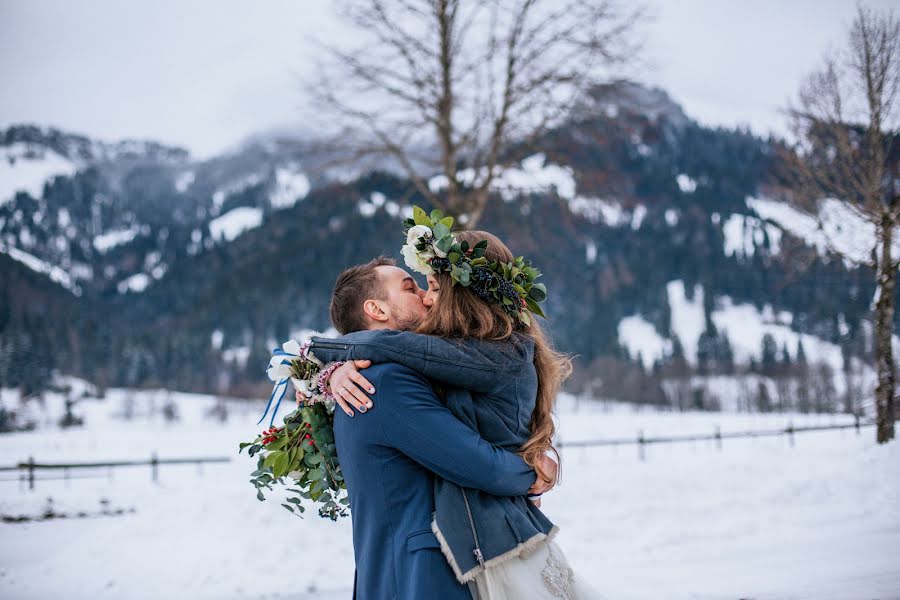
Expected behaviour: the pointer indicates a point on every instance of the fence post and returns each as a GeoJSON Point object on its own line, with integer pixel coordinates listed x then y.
{"type": "Point", "coordinates": [641, 444]}
{"type": "Point", "coordinates": [31, 473]}
{"type": "Point", "coordinates": [790, 433]}
{"type": "Point", "coordinates": [718, 438]}
{"type": "Point", "coordinates": [856, 419]}
{"type": "Point", "coordinates": [154, 467]}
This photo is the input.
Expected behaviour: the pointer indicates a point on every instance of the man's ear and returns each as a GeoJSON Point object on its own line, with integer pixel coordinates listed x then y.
{"type": "Point", "coordinates": [376, 311]}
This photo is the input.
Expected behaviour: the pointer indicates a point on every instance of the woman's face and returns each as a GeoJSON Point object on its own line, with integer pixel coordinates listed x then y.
{"type": "Point", "coordinates": [431, 296]}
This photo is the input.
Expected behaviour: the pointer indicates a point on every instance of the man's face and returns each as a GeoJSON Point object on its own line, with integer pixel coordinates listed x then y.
{"type": "Point", "coordinates": [404, 305]}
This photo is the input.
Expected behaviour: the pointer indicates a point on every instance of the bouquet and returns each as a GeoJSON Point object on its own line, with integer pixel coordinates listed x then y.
{"type": "Point", "coordinates": [301, 451]}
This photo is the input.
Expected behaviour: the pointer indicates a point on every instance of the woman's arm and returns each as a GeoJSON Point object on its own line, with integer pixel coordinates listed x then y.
{"type": "Point", "coordinates": [473, 364]}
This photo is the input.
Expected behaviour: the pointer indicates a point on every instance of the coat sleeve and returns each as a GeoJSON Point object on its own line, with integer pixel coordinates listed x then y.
{"type": "Point", "coordinates": [476, 365]}
{"type": "Point", "coordinates": [417, 424]}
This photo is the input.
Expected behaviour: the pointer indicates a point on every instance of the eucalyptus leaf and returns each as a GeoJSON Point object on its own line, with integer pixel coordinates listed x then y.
{"type": "Point", "coordinates": [538, 292]}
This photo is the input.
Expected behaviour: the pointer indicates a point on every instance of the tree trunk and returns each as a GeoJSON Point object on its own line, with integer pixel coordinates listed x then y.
{"type": "Point", "coordinates": [884, 321]}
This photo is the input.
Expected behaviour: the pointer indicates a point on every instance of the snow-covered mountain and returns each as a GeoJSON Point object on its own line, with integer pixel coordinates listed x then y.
{"type": "Point", "coordinates": [660, 238]}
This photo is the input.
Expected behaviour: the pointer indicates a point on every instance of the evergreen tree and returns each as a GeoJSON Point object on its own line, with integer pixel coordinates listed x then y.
{"type": "Point", "coordinates": [768, 355]}
{"type": "Point", "coordinates": [785, 356]}
{"type": "Point", "coordinates": [801, 353]}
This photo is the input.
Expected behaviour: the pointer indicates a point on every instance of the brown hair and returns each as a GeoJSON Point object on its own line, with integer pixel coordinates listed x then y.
{"type": "Point", "coordinates": [353, 287]}
{"type": "Point", "coordinates": [461, 314]}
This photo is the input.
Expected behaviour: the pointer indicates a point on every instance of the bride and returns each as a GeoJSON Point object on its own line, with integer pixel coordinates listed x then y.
{"type": "Point", "coordinates": [479, 336]}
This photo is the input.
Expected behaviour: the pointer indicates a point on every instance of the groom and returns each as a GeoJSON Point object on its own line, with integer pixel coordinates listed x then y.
{"type": "Point", "coordinates": [390, 454]}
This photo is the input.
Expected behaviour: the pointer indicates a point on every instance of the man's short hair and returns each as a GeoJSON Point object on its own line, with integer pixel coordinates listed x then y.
{"type": "Point", "coordinates": [353, 287]}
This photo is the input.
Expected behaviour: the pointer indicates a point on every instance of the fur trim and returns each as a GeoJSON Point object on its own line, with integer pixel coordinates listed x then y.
{"type": "Point", "coordinates": [523, 549]}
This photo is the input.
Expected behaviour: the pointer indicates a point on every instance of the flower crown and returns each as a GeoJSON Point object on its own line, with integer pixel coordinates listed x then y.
{"type": "Point", "coordinates": [431, 248]}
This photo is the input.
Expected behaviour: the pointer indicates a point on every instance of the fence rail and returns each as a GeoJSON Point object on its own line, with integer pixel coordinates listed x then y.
{"type": "Point", "coordinates": [29, 467]}
{"type": "Point", "coordinates": [718, 436]}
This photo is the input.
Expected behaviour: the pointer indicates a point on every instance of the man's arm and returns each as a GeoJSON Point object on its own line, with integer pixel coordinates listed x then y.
{"type": "Point", "coordinates": [415, 422]}
{"type": "Point", "coordinates": [475, 365]}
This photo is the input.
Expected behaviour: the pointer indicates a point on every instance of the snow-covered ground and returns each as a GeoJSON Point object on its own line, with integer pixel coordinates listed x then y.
{"type": "Point", "coordinates": [757, 519]}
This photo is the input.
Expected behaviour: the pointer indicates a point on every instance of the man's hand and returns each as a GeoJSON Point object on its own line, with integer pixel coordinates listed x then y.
{"type": "Point", "coordinates": [551, 469]}
{"type": "Point", "coordinates": [349, 387]}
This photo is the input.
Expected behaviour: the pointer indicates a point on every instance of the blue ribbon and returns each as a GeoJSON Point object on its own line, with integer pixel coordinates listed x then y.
{"type": "Point", "coordinates": [284, 382]}
{"type": "Point", "coordinates": [277, 404]}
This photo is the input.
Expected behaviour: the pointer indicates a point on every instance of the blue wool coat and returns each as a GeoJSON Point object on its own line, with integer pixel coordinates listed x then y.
{"type": "Point", "coordinates": [494, 389]}
{"type": "Point", "coordinates": [389, 458]}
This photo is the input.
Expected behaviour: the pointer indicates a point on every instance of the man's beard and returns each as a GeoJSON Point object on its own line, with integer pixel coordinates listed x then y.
{"type": "Point", "coordinates": [407, 322]}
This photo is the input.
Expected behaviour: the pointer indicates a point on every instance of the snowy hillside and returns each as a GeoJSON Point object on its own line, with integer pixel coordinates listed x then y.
{"type": "Point", "coordinates": [757, 519]}
{"type": "Point", "coordinates": [25, 168]}
{"type": "Point", "coordinates": [842, 227]}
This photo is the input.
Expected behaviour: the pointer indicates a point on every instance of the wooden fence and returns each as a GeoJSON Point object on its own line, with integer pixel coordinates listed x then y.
{"type": "Point", "coordinates": [27, 469]}
{"type": "Point", "coordinates": [642, 442]}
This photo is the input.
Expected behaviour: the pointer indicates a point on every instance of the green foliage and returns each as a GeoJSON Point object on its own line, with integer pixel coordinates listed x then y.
{"type": "Point", "coordinates": [302, 454]}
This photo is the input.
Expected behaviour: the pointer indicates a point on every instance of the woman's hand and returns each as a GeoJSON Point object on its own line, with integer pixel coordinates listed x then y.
{"type": "Point", "coordinates": [349, 387]}
{"type": "Point", "coordinates": [548, 466]}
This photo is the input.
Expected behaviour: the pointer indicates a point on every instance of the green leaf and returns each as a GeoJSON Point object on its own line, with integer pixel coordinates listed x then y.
{"type": "Point", "coordinates": [448, 221]}
{"type": "Point", "coordinates": [534, 307]}
{"type": "Point", "coordinates": [453, 256]}
{"type": "Point", "coordinates": [277, 444]}
{"type": "Point", "coordinates": [538, 292]}
{"type": "Point", "coordinates": [271, 458]}
{"type": "Point", "coordinates": [482, 245]}
{"type": "Point", "coordinates": [444, 244]}
{"type": "Point", "coordinates": [280, 466]}
{"type": "Point", "coordinates": [436, 216]}
{"type": "Point", "coordinates": [312, 459]}
{"type": "Point", "coordinates": [289, 507]}
{"type": "Point", "coordinates": [420, 217]}
{"type": "Point", "coordinates": [441, 231]}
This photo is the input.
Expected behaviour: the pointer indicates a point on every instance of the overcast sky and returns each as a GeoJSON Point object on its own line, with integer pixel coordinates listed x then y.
{"type": "Point", "coordinates": [205, 74]}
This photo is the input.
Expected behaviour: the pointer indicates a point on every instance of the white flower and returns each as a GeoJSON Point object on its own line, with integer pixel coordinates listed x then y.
{"type": "Point", "coordinates": [302, 386]}
{"type": "Point", "coordinates": [414, 233]}
{"type": "Point", "coordinates": [417, 261]}
{"type": "Point", "coordinates": [291, 347]}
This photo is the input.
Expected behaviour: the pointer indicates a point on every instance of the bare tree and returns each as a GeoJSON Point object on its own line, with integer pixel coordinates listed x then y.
{"type": "Point", "coordinates": [846, 155]}
{"type": "Point", "coordinates": [443, 86]}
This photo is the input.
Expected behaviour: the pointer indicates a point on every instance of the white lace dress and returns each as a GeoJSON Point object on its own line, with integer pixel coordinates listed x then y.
{"type": "Point", "coordinates": [543, 574]}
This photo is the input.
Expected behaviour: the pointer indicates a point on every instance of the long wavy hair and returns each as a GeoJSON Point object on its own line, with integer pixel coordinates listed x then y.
{"type": "Point", "coordinates": [461, 314]}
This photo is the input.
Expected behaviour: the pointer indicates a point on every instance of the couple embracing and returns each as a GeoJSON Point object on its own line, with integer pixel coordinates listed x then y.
{"type": "Point", "coordinates": [444, 437]}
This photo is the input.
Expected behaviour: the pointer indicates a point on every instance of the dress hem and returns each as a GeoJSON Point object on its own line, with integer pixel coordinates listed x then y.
{"type": "Point", "coordinates": [522, 548]}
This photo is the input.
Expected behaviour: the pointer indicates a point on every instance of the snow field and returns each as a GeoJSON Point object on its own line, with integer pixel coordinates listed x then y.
{"type": "Point", "coordinates": [758, 519]}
